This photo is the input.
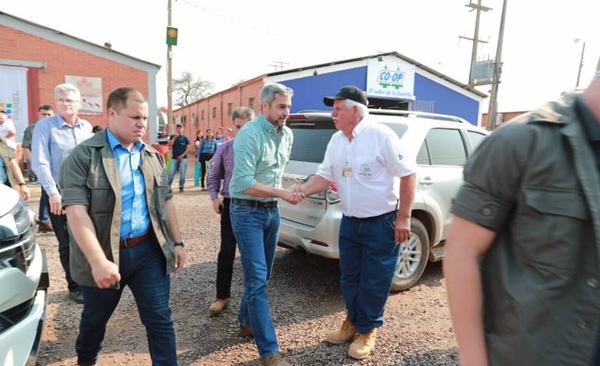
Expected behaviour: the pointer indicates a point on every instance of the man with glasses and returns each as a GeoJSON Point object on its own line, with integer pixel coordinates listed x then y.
{"type": "Point", "coordinates": [179, 151]}
{"type": "Point", "coordinates": [44, 224]}
{"type": "Point", "coordinates": [53, 139]}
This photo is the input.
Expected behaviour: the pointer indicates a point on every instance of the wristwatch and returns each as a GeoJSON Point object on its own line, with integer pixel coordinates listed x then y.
{"type": "Point", "coordinates": [179, 244]}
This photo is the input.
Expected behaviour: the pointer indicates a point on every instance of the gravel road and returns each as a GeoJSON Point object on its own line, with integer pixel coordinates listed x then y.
{"type": "Point", "coordinates": [305, 301]}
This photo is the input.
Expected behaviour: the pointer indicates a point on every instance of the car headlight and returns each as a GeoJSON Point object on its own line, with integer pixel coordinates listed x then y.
{"type": "Point", "coordinates": [16, 222]}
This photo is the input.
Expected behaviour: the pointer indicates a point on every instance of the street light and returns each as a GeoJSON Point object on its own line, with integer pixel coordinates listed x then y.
{"type": "Point", "coordinates": [577, 40]}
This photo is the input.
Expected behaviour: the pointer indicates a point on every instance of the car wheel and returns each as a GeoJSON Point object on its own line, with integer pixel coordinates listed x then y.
{"type": "Point", "coordinates": [414, 254]}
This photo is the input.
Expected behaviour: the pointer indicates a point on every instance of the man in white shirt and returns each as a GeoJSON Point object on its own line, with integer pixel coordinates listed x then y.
{"type": "Point", "coordinates": [7, 127]}
{"type": "Point", "coordinates": [364, 158]}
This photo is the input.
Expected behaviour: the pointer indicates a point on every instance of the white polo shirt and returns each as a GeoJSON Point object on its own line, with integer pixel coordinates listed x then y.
{"type": "Point", "coordinates": [367, 169]}
{"type": "Point", "coordinates": [6, 127]}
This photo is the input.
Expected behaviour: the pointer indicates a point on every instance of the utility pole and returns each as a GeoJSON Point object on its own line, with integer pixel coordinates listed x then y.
{"type": "Point", "coordinates": [170, 78]}
{"type": "Point", "coordinates": [493, 108]}
{"type": "Point", "coordinates": [478, 9]}
{"type": "Point", "coordinates": [580, 64]}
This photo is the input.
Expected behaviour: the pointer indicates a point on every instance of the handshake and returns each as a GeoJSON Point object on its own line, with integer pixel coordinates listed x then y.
{"type": "Point", "coordinates": [293, 194]}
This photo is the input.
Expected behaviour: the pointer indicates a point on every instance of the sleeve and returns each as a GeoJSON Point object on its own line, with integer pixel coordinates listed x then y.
{"type": "Point", "coordinates": [492, 175]}
{"type": "Point", "coordinates": [73, 178]}
{"type": "Point", "coordinates": [397, 161]}
{"type": "Point", "coordinates": [216, 174]}
{"type": "Point", "coordinates": [325, 169]}
{"type": "Point", "coordinates": [27, 134]}
{"type": "Point", "coordinates": [247, 147]}
{"type": "Point", "coordinates": [40, 156]}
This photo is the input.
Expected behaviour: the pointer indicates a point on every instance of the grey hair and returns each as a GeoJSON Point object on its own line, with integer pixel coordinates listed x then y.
{"type": "Point", "coordinates": [66, 88]}
{"type": "Point", "coordinates": [363, 110]}
{"type": "Point", "coordinates": [269, 91]}
{"type": "Point", "coordinates": [242, 112]}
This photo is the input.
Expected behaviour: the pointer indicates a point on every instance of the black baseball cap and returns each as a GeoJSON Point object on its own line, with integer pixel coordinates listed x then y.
{"type": "Point", "coordinates": [348, 92]}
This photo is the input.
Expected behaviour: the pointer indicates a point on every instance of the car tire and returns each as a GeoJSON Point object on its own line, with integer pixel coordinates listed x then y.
{"type": "Point", "coordinates": [413, 258]}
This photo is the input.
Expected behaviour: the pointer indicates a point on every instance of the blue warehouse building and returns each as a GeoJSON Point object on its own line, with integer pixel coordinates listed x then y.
{"type": "Point", "coordinates": [391, 80]}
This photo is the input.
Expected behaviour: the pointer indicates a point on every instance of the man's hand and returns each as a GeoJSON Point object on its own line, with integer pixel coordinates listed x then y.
{"type": "Point", "coordinates": [56, 204]}
{"type": "Point", "coordinates": [217, 204]}
{"type": "Point", "coordinates": [106, 273]}
{"type": "Point", "coordinates": [293, 194]}
{"type": "Point", "coordinates": [24, 192]}
{"type": "Point", "coordinates": [402, 229]}
{"type": "Point", "coordinates": [179, 259]}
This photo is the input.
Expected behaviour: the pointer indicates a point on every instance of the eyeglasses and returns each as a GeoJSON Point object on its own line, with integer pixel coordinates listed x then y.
{"type": "Point", "coordinates": [67, 101]}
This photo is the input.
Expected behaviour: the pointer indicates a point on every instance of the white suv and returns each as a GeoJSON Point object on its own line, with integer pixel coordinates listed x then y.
{"type": "Point", "coordinates": [23, 282]}
{"type": "Point", "coordinates": [441, 145]}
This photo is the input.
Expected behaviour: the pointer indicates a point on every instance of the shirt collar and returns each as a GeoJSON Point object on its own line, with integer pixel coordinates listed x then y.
{"type": "Point", "coordinates": [591, 124]}
{"type": "Point", "coordinates": [113, 142]}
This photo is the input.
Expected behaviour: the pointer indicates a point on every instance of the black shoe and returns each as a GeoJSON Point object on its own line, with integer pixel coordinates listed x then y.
{"type": "Point", "coordinates": [180, 190]}
{"type": "Point", "coordinates": [77, 296]}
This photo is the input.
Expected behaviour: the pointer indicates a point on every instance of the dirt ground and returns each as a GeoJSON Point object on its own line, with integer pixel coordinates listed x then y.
{"type": "Point", "coordinates": [305, 302]}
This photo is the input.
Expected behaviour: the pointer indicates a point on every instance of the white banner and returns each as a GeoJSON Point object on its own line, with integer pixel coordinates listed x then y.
{"type": "Point", "coordinates": [13, 97]}
{"type": "Point", "coordinates": [390, 79]}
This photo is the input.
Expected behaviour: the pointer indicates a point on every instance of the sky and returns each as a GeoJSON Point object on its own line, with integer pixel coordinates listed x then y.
{"type": "Point", "coordinates": [228, 41]}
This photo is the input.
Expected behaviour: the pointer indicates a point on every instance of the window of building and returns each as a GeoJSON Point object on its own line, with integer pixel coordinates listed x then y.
{"type": "Point", "coordinates": [202, 115]}
{"type": "Point", "coordinates": [229, 108]}
{"type": "Point", "coordinates": [214, 112]}
{"type": "Point", "coordinates": [251, 103]}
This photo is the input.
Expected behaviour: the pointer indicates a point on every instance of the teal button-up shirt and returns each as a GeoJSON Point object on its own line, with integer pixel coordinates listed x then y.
{"type": "Point", "coordinates": [260, 154]}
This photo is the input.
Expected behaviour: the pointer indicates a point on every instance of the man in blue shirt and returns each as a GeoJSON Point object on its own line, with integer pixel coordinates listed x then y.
{"type": "Point", "coordinates": [179, 151]}
{"type": "Point", "coordinates": [53, 139]}
{"type": "Point", "coordinates": [261, 150]}
{"type": "Point", "coordinates": [124, 229]}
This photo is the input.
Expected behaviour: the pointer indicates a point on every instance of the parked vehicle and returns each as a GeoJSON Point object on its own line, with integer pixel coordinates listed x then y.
{"type": "Point", "coordinates": [23, 282]}
{"type": "Point", "coordinates": [441, 144]}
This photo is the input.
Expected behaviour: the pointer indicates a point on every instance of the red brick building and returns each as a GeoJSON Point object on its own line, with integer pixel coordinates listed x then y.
{"type": "Point", "coordinates": [214, 111]}
{"type": "Point", "coordinates": [50, 57]}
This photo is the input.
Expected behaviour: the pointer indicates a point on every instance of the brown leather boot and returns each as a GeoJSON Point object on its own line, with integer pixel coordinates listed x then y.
{"type": "Point", "coordinates": [363, 345]}
{"type": "Point", "coordinates": [276, 359]}
{"type": "Point", "coordinates": [342, 335]}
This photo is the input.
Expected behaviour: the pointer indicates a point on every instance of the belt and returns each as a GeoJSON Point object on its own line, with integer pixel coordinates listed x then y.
{"type": "Point", "coordinates": [135, 241]}
{"type": "Point", "coordinates": [253, 203]}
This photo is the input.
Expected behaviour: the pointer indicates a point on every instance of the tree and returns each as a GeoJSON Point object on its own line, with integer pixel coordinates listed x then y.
{"type": "Point", "coordinates": [187, 89]}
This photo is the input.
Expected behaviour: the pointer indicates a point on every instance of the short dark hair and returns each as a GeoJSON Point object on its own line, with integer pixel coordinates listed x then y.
{"type": "Point", "coordinates": [45, 107]}
{"type": "Point", "coordinates": [117, 99]}
{"type": "Point", "coordinates": [242, 112]}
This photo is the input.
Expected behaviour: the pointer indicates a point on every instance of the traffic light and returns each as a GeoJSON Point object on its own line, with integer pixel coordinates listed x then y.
{"type": "Point", "coordinates": [172, 36]}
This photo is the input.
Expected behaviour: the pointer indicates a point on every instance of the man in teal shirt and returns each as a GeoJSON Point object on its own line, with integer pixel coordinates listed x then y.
{"type": "Point", "coordinates": [261, 150]}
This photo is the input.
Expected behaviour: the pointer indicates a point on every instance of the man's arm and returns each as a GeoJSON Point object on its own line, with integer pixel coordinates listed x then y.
{"type": "Point", "coordinates": [465, 244]}
{"type": "Point", "coordinates": [174, 226]}
{"type": "Point", "coordinates": [215, 179]}
{"type": "Point", "coordinates": [407, 198]}
{"type": "Point", "coordinates": [106, 273]}
{"type": "Point", "coordinates": [18, 177]}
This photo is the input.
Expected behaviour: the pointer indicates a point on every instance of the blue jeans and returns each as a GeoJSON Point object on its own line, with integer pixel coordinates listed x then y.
{"type": "Point", "coordinates": [368, 257]}
{"type": "Point", "coordinates": [182, 167]}
{"type": "Point", "coordinates": [143, 269]}
{"type": "Point", "coordinates": [256, 230]}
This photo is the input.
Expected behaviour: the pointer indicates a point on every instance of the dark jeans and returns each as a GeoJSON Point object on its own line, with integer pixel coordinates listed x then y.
{"type": "Point", "coordinates": [44, 209]}
{"type": "Point", "coordinates": [226, 254]}
{"type": "Point", "coordinates": [368, 257]}
{"type": "Point", "coordinates": [203, 158]}
{"type": "Point", "coordinates": [59, 224]}
{"type": "Point", "coordinates": [143, 269]}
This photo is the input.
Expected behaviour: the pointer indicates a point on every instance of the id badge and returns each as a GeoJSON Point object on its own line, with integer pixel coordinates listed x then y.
{"type": "Point", "coordinates": [346, 171]}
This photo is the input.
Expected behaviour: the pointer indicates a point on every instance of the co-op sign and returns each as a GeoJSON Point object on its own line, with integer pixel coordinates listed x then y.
{"type": "Point", "coordinates": [391, 79]}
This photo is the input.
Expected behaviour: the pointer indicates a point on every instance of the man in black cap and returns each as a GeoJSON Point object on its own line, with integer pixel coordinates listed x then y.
{"type": "Point", "coordinates": [364, 158]}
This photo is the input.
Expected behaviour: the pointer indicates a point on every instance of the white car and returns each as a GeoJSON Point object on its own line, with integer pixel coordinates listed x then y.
{"type": "Point", "coordinates": [441, 145]}
{"type": "Point", "coordinates": [23, 282]}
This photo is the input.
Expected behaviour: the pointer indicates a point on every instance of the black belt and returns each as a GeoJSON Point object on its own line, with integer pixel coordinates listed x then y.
{"type": "Point", "coordinates": [253, 203]}
{"type": "Point", "coordinates": [130, 242]}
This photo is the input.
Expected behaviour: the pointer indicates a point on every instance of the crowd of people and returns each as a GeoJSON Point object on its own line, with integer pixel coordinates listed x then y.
{"type": "Point", "coordinates": [521, 267]}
